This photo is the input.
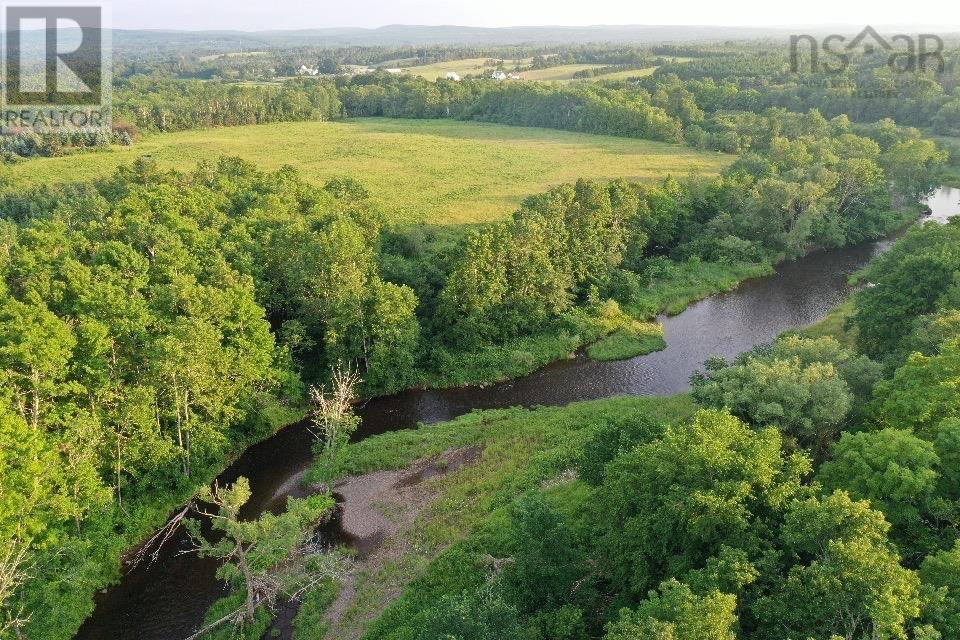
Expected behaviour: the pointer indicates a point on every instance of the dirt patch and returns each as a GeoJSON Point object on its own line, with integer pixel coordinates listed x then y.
{"type": "Point", "coordinates": [377, 508]}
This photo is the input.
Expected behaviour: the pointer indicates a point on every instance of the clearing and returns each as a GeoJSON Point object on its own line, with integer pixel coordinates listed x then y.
{"type": "Point", "coordinates": [441, 172]}
{"type": "Point", "coordinates": [561, 73]}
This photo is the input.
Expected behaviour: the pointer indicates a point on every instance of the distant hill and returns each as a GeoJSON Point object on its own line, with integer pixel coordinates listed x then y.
{"type": "Point", "coordinates": [147, 41]}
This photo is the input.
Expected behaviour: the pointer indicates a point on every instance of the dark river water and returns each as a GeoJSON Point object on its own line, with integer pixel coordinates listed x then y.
{"type": "Point", "coordinates": [168, 599]}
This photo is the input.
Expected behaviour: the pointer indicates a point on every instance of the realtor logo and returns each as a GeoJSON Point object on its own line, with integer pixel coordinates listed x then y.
{"type": "Point", "coordinates": [57, 68]}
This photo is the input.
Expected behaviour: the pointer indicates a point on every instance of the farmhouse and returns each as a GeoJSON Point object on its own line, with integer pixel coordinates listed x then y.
{"type": "Point", "coordinates": [453, 75]}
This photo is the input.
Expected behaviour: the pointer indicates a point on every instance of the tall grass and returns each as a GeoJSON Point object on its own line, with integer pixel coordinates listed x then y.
{"type": "Point", "coordinates": [419, 171]}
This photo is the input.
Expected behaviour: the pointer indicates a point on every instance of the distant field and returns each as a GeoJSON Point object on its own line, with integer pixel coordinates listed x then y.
{"type": "Point", "coordinates": [468, 66]}
{"type": "Point", "coordinates": [232, 54]}
{"type": "Point", "coordinates": [563, 72]}
{"type": "Point", "coordinates": [386, 64]}
{"type": "Point", "coordinates": [625, 75]}
{"type": "Point", "coordinates": [430, 171]}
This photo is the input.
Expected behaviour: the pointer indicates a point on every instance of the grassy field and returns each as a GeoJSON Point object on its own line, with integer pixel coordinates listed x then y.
{"type": "Point", "coordinates": [467, 66]}
{"type": "Point", "coordinates": [561, 73]}
{"type": "Point", "coordinates": [626, 75]}
{"type": "Point", "coordinates": [420, 171]}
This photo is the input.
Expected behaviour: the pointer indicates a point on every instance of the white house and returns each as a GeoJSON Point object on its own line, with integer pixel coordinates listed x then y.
{"type": "Point", "coordinates": [453, 75]}
{"type": "Point", "coordinates": [304, 70]}
{"type": "Point", "coordinates": [395, 72]}
{"type": "Point", "coordinates": [498, 75]}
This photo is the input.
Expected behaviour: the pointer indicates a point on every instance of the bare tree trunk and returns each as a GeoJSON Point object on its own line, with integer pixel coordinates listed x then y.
{"type": "Point", "coordinates": [248, 577]}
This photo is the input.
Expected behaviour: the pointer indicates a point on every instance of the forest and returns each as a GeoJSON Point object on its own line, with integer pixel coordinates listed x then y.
{"type": "Point", "coordinates": [155, 323]}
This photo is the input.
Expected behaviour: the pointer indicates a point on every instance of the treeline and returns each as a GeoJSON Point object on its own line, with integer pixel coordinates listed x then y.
{"type": "Point", "coordinates": [171, 105]}
{"type": "Point", "coordinates": [163, 105]}
{"type": "Point", "coordinates": [723, 116]}
{"type": "Point", "coordinates": [29, 144]}
{"type": "Point", "coordinates": [599, 55]}
{"type": "Point", "coordinates": [703, 113]}
{"type": "Point", "coordinates": [587, 109]}
{"type": "Point", "coordinates": [813, 495]}
{"type": "Point", "coordinates": [580, 108]}
{"type": "Point", "coordinates": [151, 325]}
{"type": "Point", "coordinates": [613, 68]}
{"type": "Point", "coordinates": [750, 78]}
{"type": "Point", "coordinates": [867, 90]}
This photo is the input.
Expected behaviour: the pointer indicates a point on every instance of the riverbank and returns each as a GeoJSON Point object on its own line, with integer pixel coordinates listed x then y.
{"type": "Point", "coordinates": [104, 550]}
{"type": "Point", "coordinates": [509, 451]}
{"type": "Point", "coordinates": [676, 285]}
{"type": "Point", "coordinates": [668, 293]}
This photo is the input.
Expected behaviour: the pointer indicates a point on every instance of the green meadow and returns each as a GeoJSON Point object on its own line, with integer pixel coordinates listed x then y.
{"type": "Point", "coordinates": [626, 75]}
{"type": "Point", "coordinates": [558, 73]}
{"type": "Point", "coordinates": [419, 171]}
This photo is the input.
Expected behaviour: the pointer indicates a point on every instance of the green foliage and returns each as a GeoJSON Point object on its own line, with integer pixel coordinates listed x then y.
{"type": "Point", "coordinates": [921, 393]}
{"type": "Point", "coordinates": [565, 623]}
{"type": "Point", "coordinates": [806, 387]}
{"type": "Point", "coordinates": [710, 484]}
{"type": "Point", "coordinates": [940, 573]}
{"type": "Point", "coordinates": [580, 108]}
{"type": "Point", "coordinates": [914, 166]}
{"type": "Point", "coordinates": [459, 178]}
{"type": "Point", "coordinates": [848, 581]}
{"type": "Point", "coordinates": [167, 105]}
{"type": "Point", "coordinates": [908, 282]}
{"type": "Point", "coordinates": [897, 472]}
{"type": "Point", "coordinates": [477, 615]}
{"type": "Point", "coordinates": [531, 269]}
{"type": "Point", "coordinates": [309, 623]}
{"type": "Point", "coordinates": [136, 348]}
{"type": "Point", "coordinates": [611, 440]}
{"type": "Point", "coordinates": [544, 562]}
{"type": "Point", "coordinates": [522, 450]}
{"type": "Point", "coordinates": [670, 286]}
{"type": "Point", "coordinates": [153, 322]}
{"type": "Point", "coordinates": [675, 612]}
{"type": "Point", "coordinates": [628, 343]}
{"type": "Point", "coordinates": [258, 556]}
{"type": "Point", "coordinates": [252, 630]}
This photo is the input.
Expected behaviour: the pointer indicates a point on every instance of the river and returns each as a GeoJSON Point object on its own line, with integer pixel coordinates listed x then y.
{"type": "Point", "coordinates": [167, 600]}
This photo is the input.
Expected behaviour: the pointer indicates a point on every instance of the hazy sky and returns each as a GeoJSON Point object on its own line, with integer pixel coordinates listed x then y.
{"type": "Point", "coordinates": [255, 15]}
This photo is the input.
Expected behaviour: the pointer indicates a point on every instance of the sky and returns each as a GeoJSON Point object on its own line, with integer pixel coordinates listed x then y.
{"type": "Point", "coordinates": [255, 15]}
